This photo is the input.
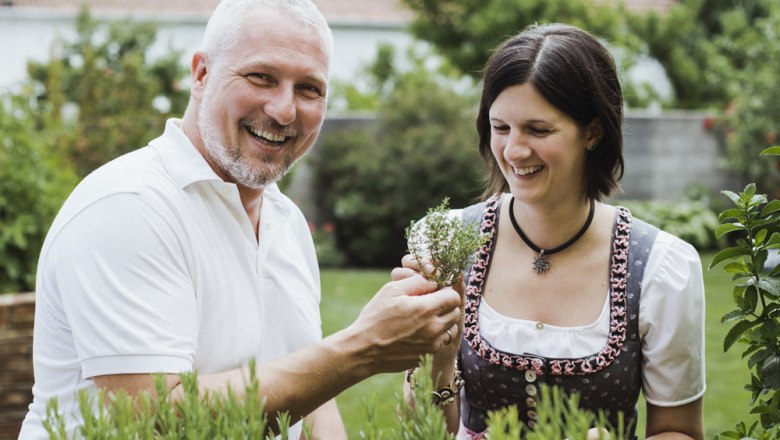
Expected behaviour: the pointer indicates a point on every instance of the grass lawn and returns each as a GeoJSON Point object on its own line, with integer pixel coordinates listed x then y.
{"type": "Point", "coordinates": [346, 291]}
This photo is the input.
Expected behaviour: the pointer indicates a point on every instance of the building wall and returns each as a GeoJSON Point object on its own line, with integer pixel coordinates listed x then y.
{"type": "Point", "coordinates": [26, 35]}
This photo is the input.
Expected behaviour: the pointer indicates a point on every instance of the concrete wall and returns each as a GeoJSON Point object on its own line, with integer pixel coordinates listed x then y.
{"type": "Point", "coordinates": [667, 153]}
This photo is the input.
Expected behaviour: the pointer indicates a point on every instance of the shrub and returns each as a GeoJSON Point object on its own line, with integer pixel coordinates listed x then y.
{"type": "Point", "coordinates": [34, 181]}
{"type": "Point", "coordinates": [324, 238]}
{"type": "Point", "coordinates": [111, 87]}
{"type": "Point", "coordinates": [692, 221]}
{"type": "Point", "coordinates": [372, 182]}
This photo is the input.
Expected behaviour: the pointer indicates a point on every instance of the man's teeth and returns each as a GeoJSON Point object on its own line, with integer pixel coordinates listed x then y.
{"type": "Point", "coordinates": [527, 170]}
{"type": "Point", "coordinates": [268, 135]}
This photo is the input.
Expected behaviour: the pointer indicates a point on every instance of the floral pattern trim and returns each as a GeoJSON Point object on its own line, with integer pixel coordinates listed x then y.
{"type": "Point", "coordinates": [540, 365]}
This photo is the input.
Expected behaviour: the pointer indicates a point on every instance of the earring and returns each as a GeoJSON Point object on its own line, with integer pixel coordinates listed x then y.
{"type": "Point", "coordinates": [591, 147]}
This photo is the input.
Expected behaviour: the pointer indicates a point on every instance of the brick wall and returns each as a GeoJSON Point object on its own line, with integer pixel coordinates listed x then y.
{"type": "Point", "coordinates": [16, 371]}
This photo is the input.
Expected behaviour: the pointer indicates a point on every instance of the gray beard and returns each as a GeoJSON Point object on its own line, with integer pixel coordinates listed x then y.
{"type": "Point", "coordinates": [230, 160]}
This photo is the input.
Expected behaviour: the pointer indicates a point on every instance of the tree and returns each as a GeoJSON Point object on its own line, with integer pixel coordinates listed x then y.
{"type": "Point", "coordinates": [466, 31]}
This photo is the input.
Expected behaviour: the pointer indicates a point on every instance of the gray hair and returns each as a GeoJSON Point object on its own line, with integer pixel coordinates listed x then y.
{"type": "Point", "coordinates": [223, 30]}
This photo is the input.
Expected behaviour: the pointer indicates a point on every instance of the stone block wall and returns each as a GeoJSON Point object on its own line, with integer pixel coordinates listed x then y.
{"type": "Point", "coordinates": [16, 370]}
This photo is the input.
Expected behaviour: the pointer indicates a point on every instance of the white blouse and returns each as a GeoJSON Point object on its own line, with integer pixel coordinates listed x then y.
{"type": "Point", "coordinates": [671, 325]}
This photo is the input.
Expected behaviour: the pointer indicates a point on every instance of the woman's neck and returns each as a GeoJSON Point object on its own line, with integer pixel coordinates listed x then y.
{"type": "Point", "coordinates": [548, 225]}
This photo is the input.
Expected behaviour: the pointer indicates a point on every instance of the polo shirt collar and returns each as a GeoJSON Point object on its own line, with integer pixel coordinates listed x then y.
{"type": "Point", "coordinates": [181, 159]}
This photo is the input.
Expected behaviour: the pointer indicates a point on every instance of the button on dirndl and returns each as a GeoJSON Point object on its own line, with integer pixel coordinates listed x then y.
{"type": "Point", "coordinates": [530, 390]}
{"type": "Point", "coordinates": [530, 376]}
{"type": "Point", "coordinates": [530, 402]}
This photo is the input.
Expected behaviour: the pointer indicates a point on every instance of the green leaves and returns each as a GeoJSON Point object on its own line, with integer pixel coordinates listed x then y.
{"type": "Point", "coordinates": [753, 224]}
{"type": "Point", "coordinates": [446, 241]}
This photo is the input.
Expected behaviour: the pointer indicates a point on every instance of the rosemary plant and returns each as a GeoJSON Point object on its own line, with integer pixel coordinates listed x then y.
{"type": "Point", "coordinates": [445, 241]}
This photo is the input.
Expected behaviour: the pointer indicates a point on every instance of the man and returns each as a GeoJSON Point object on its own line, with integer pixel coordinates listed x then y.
{"type": "Point", "coordinates": [184, 255]}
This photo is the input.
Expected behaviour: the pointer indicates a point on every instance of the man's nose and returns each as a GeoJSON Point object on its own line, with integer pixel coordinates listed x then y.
{"type": "Point", "coordinates": [281, 105]}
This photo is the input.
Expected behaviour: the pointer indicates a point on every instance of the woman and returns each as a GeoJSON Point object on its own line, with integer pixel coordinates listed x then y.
{"type": "Point", "coordinates": [570, 291]}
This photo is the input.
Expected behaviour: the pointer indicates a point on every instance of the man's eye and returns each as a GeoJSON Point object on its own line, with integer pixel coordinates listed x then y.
{"type": "Point", "coordinates": [310, 91]}
{"type": "Point", "coordinates": [260, 77]}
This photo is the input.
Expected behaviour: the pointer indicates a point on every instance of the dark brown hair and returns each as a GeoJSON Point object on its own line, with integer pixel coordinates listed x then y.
{"type": "Point", "coordinates": [575, 73]}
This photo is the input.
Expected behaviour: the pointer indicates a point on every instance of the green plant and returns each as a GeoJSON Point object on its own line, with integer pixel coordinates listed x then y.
{"type": "Point", "coordinates": [756, 320]}
{"type": "Point", "coordinates": [106, 89]}
{"type": "Point", "coordinates": [371, 181]}
{"type": "Point", "coordinates": [205, 416]}
{"type": "Point", "coordinates": [692, 221]}
{"type": "Point", "coordinates": [34, 181]}
{"type": "Point", "coordinates": [446, 241]}
{"type": "Point", "coordinates": [328, 255]}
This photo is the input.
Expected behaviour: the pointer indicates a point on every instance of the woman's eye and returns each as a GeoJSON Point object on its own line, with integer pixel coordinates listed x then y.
{"type": "Point", "coordinates": [500, 128]}
{"type": "Point", "coordinates": [538, 131]}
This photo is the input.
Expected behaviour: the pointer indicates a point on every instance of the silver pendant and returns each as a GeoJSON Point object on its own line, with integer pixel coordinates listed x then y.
{"type": "Point", "coordinates": [541, 263]}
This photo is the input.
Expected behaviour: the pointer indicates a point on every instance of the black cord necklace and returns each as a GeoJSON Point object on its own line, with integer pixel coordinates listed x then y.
{"type": "Point", "coordinates": [541, 261]}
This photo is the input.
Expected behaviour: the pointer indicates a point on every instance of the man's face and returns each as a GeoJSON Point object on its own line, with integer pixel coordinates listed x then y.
{"type": "Point", "coordinates": [262, 102]}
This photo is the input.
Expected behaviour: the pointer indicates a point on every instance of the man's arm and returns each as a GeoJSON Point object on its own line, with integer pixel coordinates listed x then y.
{"type": "Point", "coordinates": [403, 321]}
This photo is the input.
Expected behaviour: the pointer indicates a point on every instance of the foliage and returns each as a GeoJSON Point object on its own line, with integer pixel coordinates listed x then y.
{"type": "Point", "coordinates": [752, 120]}
{"type": "Point", "coordinates": [756, 320]}
{"type": "Point", "coordinates": [692, 221]}
{"type": "Point", "coordinates": [114, 97]}
{"type": "Point", "coordinates": [328, 255]}
{"type": "Point", "coordinates": [211, 415]}
{"type": "Point", "coordinates": [195, 416]}
{"type": "Point", "coordinates": [371, 181]}
{"type": "Point", "coordinates": [466, 32]}
{"type": "Point", "coordinates": [33, 184]}
{"type": "Point", "coordinates": [446, 242]}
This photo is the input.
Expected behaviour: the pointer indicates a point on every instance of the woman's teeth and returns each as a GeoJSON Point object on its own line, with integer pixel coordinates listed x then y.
{"type": "Point", "coordinates": [526, 170]}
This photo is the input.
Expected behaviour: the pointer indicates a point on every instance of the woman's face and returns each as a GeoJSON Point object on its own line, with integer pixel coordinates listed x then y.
{"type": "Point", "coordinates": [540, 150]}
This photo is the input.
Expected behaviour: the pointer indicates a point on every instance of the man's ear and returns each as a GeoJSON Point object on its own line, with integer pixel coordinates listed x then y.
{"type": "Point", "coordinates": [593, 133]}
{"type": "Point", "coordinates": [198, 73]}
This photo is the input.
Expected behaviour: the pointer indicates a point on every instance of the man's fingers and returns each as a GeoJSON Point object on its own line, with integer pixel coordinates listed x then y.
{"type": "Point", "coordinates": [413, 285]}
{"type": "Point", "coordinates": [400, 273]}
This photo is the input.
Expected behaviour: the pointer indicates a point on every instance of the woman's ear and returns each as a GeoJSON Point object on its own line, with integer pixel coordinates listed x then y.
{"type": "Point", "coordinates": [593, 134]}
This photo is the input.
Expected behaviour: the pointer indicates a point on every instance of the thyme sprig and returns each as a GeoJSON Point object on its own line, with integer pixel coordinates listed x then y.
{"type": "Point", "coordinates": [446, 242]}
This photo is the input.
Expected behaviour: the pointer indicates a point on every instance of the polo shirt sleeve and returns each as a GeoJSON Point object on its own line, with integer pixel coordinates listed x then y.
{"type": "Point", "coordinates": [671, 320]}
{"type": "Point", "coordinates": [124, 282]}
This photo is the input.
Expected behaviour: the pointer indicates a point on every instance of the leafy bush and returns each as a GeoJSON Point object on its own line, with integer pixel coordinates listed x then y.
{"type": "Point", "coordinates": [206, 416]}
{"type": "Point", "coordinates": [692, 221]}
{"type": "Point", "coordinates": [34, 181]}
{"type": "Point", "coordinates": [324, 238]}
{"type": "Point", "coordinates": [117, 99]}
{"type": "Point", "coordinates": [756, 320]}
{"type": "Point", "coordinates": [372, 182]}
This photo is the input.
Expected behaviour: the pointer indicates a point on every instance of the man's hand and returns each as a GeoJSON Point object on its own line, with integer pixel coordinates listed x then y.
{"type": "Point", "coordinates": [406, 319]}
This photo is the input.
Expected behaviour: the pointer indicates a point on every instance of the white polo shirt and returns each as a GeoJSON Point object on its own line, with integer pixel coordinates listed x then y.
{"type": "Point", "coordinates": [152, 265]}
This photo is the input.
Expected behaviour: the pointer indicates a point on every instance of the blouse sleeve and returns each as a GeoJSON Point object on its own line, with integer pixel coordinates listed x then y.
{"type": "Point", "coordinates": [671, 320]}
